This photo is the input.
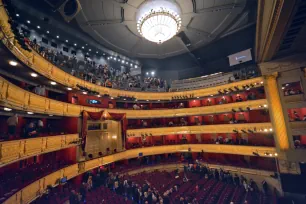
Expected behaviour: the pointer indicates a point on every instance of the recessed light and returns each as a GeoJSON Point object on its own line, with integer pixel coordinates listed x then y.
{"type": "Point", "coordinates": [7, 109]}
{"type": "Point", "coordinates": [30, 113]}
{"type": "Point", "coordinates": [53, 83]}
{"type": "Point", "coordinates": [75, 44]}
{"type": "Point", "coordinates": [28, 21]}
{"type": "Point", "coordinates": [136, 66]}
{"type": "Point", "coordinates": [34, 74]}
{"type": "Point", "coordinates": [13, 63]}
{"type": "Point", "coordinates": [89, 50]}
{"type": "Point", "coordinates": [38, 27]}
{"type": "Point", "coordinates": [66, 40]}
{"type": "Point", "coordinates": [17, 14]}
{"type": "Point", "coordinates": [57, 36]}
{"type": "Point", "coordinates": [48, 31]}
{"type": "Point", "coordinates": [69, 89]}
{"type": "Point", "coordinates": [84, 92]}
{"type": "Point", "coordinates": [122, 61]}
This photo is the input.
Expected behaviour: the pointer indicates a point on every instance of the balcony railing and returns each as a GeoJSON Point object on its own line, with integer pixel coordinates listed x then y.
{"type": "Point", "coordinates": [224, 128]}
{"type": "Point", "coordinates": [12, 151]}
{"type": "Point", "coordinates": [32, 191]}
{"type": "Point", "coordinates": [18, 98]}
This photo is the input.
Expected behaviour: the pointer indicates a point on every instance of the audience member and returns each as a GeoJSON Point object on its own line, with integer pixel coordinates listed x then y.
{"type": "Point", "coordinates": [12, 122]}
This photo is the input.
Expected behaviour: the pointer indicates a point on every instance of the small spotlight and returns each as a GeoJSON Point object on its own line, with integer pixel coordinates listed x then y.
{"type": "Point", "coordinates": [271, 129]}
{"type": "Point", "coordinates": [83, 47]}
{"type": "Point", "coordinates": [84, 92]}
{"type": "Point", "coordinates": [275, 154]}
{"type": "Point", "coordinates": [283, 88]}
{"type": "Point", "coordinates": [136, 66]}
{"type": "Point", "coordinates": [270, 155]}
{"type": "Point", "coordinates": [124, 99]}
{"type": "Point", "coordinates": [69, 89]}
{"type": "Point", "coordinates": [30, 113]}
{"type": "Point", "coordinates": [34, 75]}
{"type": "Point", "coordinates": [89, 50]}
{"type": "Point", "coordinates": [13, 63]}
{"type": "Point", "coordinates": [98, 96]}
{"type": "Point", "coordinates": [48, 31]}
{"type": "Point", "coordinates": [112, 97]}
{"type": "Point", "coordinates": [51, 115]}
{"type": "Point", "coordinates": [266, 130]}
{"type": "Point", "coordinates": [75, 44]}
{"type": "Point", "coordinates": [66, 41]}
{"type": "Point", "coordinates": [38, 27]}
{"type": "Point", "coordinates": [53, 83]}
{"type": "Point", "coordinates": [97, 52]}
{"type": "Point", "coordinates": [57, 36]}
{"type": "Point", "coordinates": [17, 14]}
{"type": "Point", "coordinates": [28, 21]}
{"type": "Point", "coordinates": [265, 105]}
{"type": "Point", "coordinates": [261, 82]}
{"type": "Point", "coordinates": [7, 109]}
{"type": "Point", "coordinates": [287, 84]}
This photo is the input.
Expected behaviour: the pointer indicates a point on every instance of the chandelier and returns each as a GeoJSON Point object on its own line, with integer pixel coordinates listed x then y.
{"type": "Point", "coordinates": [158, 20]}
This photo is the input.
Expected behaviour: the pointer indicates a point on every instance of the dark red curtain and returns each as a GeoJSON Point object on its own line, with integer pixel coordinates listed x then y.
{"type": "Point", "coordinates": [103, 115]}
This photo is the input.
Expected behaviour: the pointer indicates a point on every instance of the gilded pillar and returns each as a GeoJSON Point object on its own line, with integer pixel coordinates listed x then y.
{"type": "Point", "coordinates": [276, 112]}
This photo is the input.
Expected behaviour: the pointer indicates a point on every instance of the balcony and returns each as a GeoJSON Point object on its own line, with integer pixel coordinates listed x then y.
{"type": "Point", "coordinates": [12, 151]}
{"type": "Point", "coordinates": [17, 98]}
{"type": "Point", "coordinates": [224, 128]}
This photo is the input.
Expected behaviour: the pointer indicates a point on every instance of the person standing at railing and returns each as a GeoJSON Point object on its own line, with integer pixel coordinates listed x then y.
{"type": "Point", "coordinates": [12, 123]}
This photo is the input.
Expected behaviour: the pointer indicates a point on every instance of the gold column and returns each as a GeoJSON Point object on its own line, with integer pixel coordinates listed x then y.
{"type": "Point", "coordinates": [276, 112]}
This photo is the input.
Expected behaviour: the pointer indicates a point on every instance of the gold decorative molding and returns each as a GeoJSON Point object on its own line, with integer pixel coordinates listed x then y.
{"type": "Point", "coordinates": [32, 191]}
{"type": "Point", "coordinates": [297, 61]}
{"type": "Point", "coordinates": [224, 128]}
{"type": "Point", "coordinates": [276, 113]}
{"type": "Point", "coordinates": [17, 98]}
{"type": "Point", "coordinates": [273, 18]}
{"type": "Point", "coordinates": [15, 150]}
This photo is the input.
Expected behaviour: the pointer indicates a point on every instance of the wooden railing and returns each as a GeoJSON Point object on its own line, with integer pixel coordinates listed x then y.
{"type": "Point", "coordinates": [32, 191]}
{"type": "Point", "coordinates": [12, 151]}
{"type": "Point", "coordinates": [47, 69]}
{"type": "Point", "coordinates": [264, 128]}
{"type": "Point", "coordinates": [18, 98]}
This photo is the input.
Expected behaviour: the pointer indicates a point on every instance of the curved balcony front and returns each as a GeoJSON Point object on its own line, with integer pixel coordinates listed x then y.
{"type": "Point", "coordinates": [17, 98]}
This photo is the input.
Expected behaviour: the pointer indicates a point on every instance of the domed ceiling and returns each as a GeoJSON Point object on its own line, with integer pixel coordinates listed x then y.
{"type": "Point", "coordinates": [113, 23]}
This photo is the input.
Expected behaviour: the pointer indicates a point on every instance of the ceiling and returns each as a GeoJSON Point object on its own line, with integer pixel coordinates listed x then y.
{"type": "Point", "coordinates": [113, 23]}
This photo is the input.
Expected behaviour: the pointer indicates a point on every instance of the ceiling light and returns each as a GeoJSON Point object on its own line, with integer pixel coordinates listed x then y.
{"type": "Point", "coordinates": [89, 50]}
{"type": "Point", "coordinates": [115, 59]}
{"type": "Point", "coordinates": [131, 65]}
{"type": "Point", "coordinates": [50, 115]}
{"type": "Point", "coordinates": [275, 154]}
{"type": "Point", "coordinates": [118, 60]}
{"type": "Point", "coordinates": [66, 40]}
{"type": "Point", "coordinates": [48, 31]}
{"type": "Point", "coordinates": [38, 27]}
{"type": "Point", "coordinates": [30, 113]}
{"type": "Point", "coordinates": [147, 73]}
{"type": "Point", "coordinates": [69, 89]}
{"type": "Point", "coordinates": [152, 73]}
{"type": "Point", "coordinates": [84, 92]}
{"type": "Point", "coordinates": [283, 88]}
{"type": "Point", "coordinates": [127, 63]}
{"type": "Point", "coordinates": [261, 82]}
{"type": "Point", "coordinates": [136, 66]}
{"type": "Point", "coordinates": [98, 96]}
{"type": "Point", "coordinates": [34, 74]}
{"type": "Point", "coordinates": [265, 105]}
{"type": "Point", "coordinates": [57, 36]}
{"type": "Point", "coordinates": [17, 14]}
{"type": "Point", "coordinates": [13, 63]}
{"type": "Point", "coordinates": [28, 21]}
{"type": "Point", "coordinates": [158, 23]}
{"type": "Point", "coordinates": [266, 130]}
{"type": "Point", "coordinates": [86, 44]}
{"type": "Point", "coordinates": [75, 44]}
{"type": "Point", "coordinates": [97, 52]}
{"type": "Point", "coordinates": [122, 61]}
{"type": "Point", "coordinates": [287, 84]}
{"type": "Point", "coordinates": [53, 83]}
{"type": "Point", "coordinates": [103, 53]}
{"type": "Point", "coordinates": [124, 99]}
{"type": "Point", "coordinates": [112, 98]}
{"type": "Point", "coordinates": [7, 109]}
{"type": "Point", "coordinates": [83, 47]}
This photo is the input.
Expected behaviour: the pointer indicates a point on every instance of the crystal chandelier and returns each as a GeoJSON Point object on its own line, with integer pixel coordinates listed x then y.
{"type": "Point", "coordinates": [158, 20]}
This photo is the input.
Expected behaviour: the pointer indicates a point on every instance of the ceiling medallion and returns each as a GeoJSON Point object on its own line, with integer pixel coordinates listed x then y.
{"type": "Point", "coordinates": [159, 20]}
